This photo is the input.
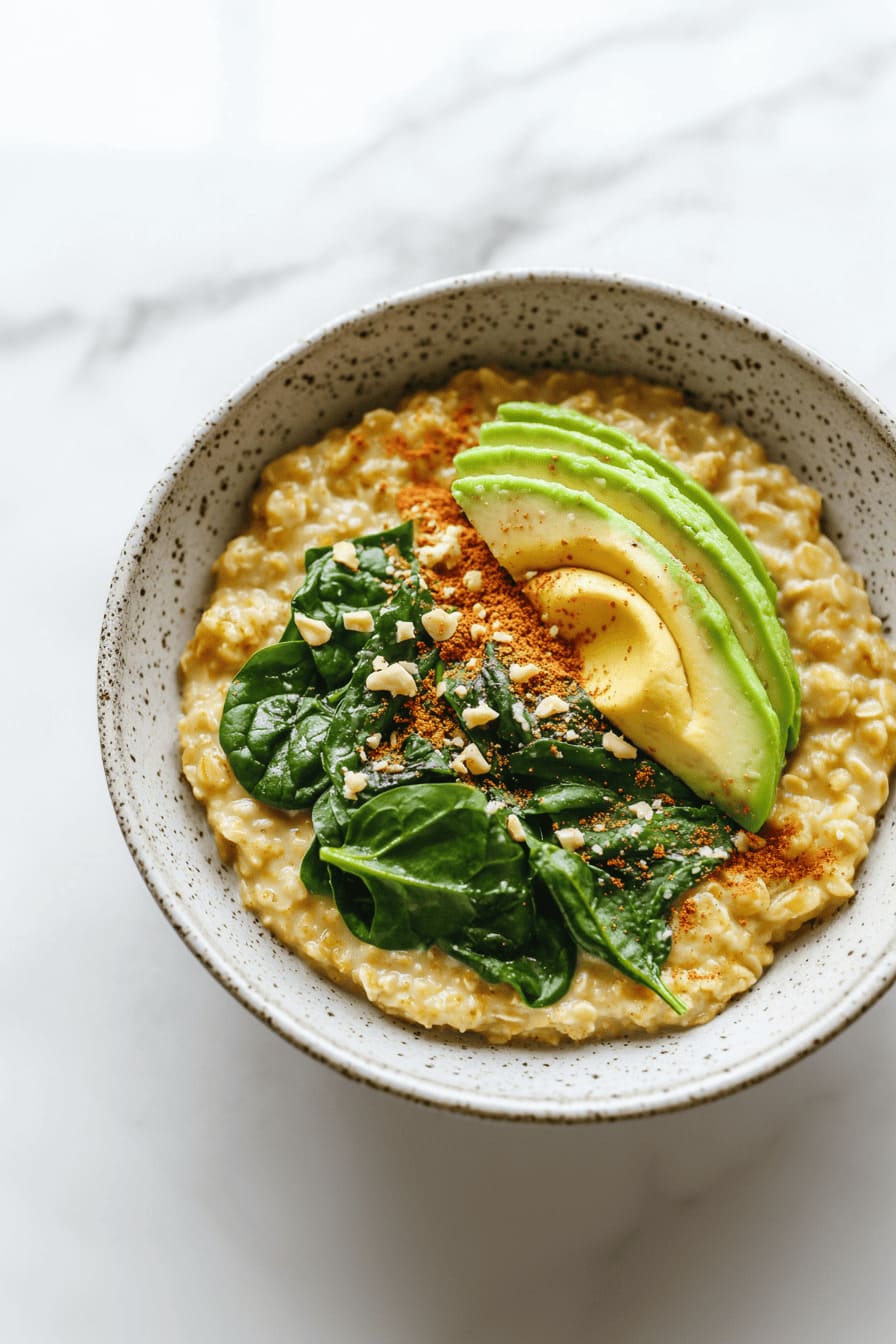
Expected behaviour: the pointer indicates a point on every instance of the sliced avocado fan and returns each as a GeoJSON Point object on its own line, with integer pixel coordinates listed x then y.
{"type": "Point", "coordinates": [562, 429]}
{"type": "Point", "coordinates": [655, 504]}
{"type": "Point", "coordinates": [565, 418]}
{"type": "Point", "coordinates": [733, 747]}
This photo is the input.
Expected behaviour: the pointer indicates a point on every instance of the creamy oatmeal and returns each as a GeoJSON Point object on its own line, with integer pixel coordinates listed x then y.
{"type": "Point", "coordinates": [725, 929]}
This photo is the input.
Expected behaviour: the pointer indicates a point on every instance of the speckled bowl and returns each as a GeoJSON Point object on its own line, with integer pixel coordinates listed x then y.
{"type": "Point", "coordinates": [806, 413]}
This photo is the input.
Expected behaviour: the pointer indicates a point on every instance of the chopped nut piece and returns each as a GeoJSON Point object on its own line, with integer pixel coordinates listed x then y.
{"type": "Point", "coordinates": [313, 632]}
{"type": "Point", "coordinates": [471, 759]}
{"type": "Point", "coordinates": [440, 689]}
{"type": "Point", "coordinates": [345, 553]}
{"type": "Point", "coordinates": [571, 736]}
{"type": "Point", "coordinates": [478, 630]}
{"type": "Point", "coordinates": [473, 580]}
{"type": "Point", "coordinates": [374, 740]}
{"type": "Point", "coordinates": [460, 690]}
{"type": "Point", "coordinates": [440, 624]}
{"type": "Point", "coordinates": [745, 842]}
{"type": "Point", "coordinates": [570, 837]}
{"type": "Point", "coordinates": [380, 663]}
{"type": "Point", "coordinates": [479, 611]}
{"type": "Point", "coordinates": [642, 810]}
{"type": "Point", "coordinates": [474, 716]}
{"type": "Point", "coordinates": [520, 672]}
{"type": "Point", "coordinates": [449, 591]}
{"type": "Point", "coordinates": [500, 637]}
{"type": "Point", "coordinates": [358, 620]}
{"type": "Point", "coordinates": [409, 667]}
{"type": "Point", "coordinates": [404, 630]}
{"type": "Point", "coordinates": [551, 705]}
{"type": "Point", "coordinates": [441, 548]}
{"type": "Point", "coordinates": [353, 783]}
{"type": "Point", "coordinates": [393, 678]}
{"type": "Point", "coordinates": [554, 631]}
{"type": "Point", "coordinates": [515, 828]}
{"type": "Point", "coordinates": [618, 747]}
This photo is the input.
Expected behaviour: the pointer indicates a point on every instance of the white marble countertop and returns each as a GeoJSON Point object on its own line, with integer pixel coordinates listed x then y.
{"type": "Point", "coordinates": [188, 187]}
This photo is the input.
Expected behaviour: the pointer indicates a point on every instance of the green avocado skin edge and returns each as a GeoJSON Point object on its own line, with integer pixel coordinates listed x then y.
{"type": "Point", "coordinates": [565, 418]}
{"type": "Point", "coordinates": [524, 521]}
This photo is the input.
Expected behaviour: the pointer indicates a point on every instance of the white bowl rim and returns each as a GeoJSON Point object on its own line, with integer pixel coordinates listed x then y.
{"type": "Point", "coordinates": [761, 1064]}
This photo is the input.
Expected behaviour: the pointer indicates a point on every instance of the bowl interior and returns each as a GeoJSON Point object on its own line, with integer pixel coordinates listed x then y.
{"type": "Point", "coordinates": [805, 414]}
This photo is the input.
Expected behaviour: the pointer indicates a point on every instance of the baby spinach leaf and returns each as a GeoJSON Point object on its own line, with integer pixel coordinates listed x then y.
{"type": "Point", "coordinates": [599, 920]}
{"type": "Point", "coordinates": [273, 727]}
{"type": "Point", "coordinates": [541, 972]}
{"type": "Point", "coordinates": [329, 817]}
{"type": "Point", "coordinates": [314, 872]}
{"type": "Point", "coordinates": [330, 589]}
{"type": "Point", "coordinates": [433, 860]}
{"type": "Point", "coordinates": [491, 686]}
{"type": "Point", "coordinates": [416, 762]}
{"type": "Point", "coordinates": [361, 713]}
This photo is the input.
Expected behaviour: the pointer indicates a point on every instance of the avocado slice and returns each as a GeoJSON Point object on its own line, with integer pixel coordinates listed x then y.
{"type": "Point", "coordinates": [731, 750]}
{"type": "Point", "coordinates": [654, 504]}
{"type": "Point", "coordinates": [564, 418]}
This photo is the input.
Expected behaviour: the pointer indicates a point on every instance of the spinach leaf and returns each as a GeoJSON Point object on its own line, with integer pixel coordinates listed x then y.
{"type": "Point", "coordinates": [329, 817]}
{"type": "Point", "coordinates": [330, 589]}
{"type": "Point", "coordinates": [416, 762]}
{"type": "Point", "coordinates": [434, 861]}
{"type": "Point", "coordinates": [541, 972]}
{"type": "Point", "coordinates": [361, 713]}
{"type": "Point", "coordinates": [601, 921]}
{"type": "Point", "coordinates": [492, 687]}
{"type": "Point", "coordinates": [274, 725]}
{"type": "Point", "coordinates": [314, 872]}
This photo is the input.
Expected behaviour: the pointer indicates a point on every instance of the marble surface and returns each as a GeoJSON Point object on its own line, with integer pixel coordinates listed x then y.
{"type": "Point", "coordinates": [187, 188]}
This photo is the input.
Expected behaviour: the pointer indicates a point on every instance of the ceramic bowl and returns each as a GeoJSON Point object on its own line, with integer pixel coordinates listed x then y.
{"type": "Point", "coordinates": [807, 414]}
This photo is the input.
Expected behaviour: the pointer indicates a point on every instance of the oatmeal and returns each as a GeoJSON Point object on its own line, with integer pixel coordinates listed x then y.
{"type": "Point", "coordinates": [724, 931]}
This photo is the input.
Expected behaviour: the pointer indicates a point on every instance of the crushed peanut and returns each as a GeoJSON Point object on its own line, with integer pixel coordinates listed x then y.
{"type": "Point", "coordinates": [551, 705]}
{"type": "Point", "coordinates": [313, 632]}
{"type": "Point", "coordinates": [393, 678]}
{"type": "Point", "coordinates": [346, 553]}
{"type": "Point", "coordinates": [474, 716]}
{"type": "Point", "coordinates": [358, 620]}
{"type": "Point", "coordinates": [515, 827]}
{"type": "Point", "coordinates": [471, 760]}
{"type": "Point", "coordinates": [569, 837]}
{"type": "Point", "coordinates": [618, 747]}
{"type": "Point", "coordinates": [353, 783]}
{"type": "Point", "coordinates": [440, 624]}
{"type": "Point", "coordinates": [521, 672]}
